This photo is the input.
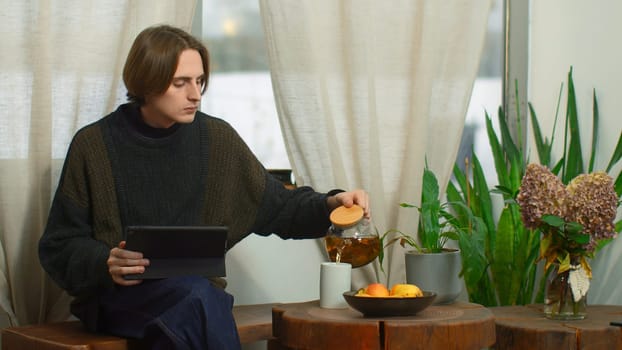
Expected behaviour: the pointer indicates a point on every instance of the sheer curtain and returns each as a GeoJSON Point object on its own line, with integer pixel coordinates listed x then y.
{"type": "Point", "coordinates": [366, 90]}
{"type": "Point", "coordinates": [61, 69]}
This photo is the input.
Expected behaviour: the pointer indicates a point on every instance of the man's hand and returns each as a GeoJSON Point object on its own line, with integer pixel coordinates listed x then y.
{"type": "Point", "coordinates": [349, 198]}
{"type": "Point", "coordinates": [123, 262]}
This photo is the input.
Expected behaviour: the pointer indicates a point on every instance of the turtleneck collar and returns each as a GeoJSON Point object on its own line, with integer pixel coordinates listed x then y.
{"type": "Point", "coordinates": [138, 124]}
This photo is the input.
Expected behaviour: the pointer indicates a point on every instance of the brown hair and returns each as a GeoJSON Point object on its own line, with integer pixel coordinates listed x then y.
{"type": "Point", "coordinates": [153, 58]}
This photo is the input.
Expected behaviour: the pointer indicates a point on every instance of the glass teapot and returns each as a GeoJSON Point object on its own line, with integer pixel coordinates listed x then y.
{"type": "Point", "coordinates": [350, 238]}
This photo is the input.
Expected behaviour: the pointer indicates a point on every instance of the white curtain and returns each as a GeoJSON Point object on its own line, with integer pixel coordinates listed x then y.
{"type": "Point", "coordinates": [60, 68]}
{"type": "Point", "coordinates": [366, 90]}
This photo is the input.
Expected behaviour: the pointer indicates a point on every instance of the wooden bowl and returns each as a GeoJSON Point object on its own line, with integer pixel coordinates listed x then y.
{"type": "Point", "coordinates": [389, 306]}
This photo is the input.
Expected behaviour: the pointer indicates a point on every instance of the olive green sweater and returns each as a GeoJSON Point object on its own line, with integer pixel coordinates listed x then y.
{"type": "Point", "coordinates": [200, 173]}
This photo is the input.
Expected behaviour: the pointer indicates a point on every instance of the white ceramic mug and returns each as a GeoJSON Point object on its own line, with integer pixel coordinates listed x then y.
{"type": "Point", "coordinates": [335, 279]}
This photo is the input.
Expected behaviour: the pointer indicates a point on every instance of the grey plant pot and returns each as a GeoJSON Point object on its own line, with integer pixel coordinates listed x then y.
{"type": "Point", "coordinates": [436, 272]}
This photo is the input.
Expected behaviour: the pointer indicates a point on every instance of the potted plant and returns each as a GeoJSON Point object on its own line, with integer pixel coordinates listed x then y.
{"type": "Point", "coordinates": [430, 264]}
{"type": "Point", "coordinates": [499, 258]}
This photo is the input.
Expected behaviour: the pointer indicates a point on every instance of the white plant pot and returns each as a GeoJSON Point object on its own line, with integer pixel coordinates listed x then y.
{"type": "Point", "coordinates": [436, 272]}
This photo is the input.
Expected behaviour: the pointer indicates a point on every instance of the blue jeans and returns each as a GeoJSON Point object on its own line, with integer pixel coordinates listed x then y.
{"type": "Point", "coordinates": [175, 313]}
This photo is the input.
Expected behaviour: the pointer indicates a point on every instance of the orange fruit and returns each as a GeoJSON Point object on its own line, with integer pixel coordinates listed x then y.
{"type": "Point", "coordinates": [377, 290]}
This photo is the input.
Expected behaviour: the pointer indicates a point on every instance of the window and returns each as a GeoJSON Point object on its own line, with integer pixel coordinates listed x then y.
{"type": "Point", "coordinates": [240, 89]}
{"type": "Point", "coordinates": [487, 94]}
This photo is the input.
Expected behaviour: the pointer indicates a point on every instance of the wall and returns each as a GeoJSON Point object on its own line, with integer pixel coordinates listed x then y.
{"type": "Point", "coordinates": [270, 269]}
{"type": "Point", "coordinates": [582, 34]}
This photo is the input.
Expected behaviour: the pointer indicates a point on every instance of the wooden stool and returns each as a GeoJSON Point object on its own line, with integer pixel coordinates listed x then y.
{"type": "Point", "coordinates": [462, 326]}
{"type": "Point", "coordinates": [254, 323]}
{"type": "Point", "coordinates": [525, 327]}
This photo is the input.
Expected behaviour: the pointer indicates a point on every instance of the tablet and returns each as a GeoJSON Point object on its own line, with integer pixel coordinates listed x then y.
{"type": "Point", "coordinates": [179, 250]}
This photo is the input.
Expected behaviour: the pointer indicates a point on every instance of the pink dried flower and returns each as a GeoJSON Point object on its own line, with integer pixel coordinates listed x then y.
{"type": "Point", "coordinates": [589, 200]}
{"type": "Point", "coordinates": [593, 203]}
{"type": "Point", "coordinates": [541, 193]}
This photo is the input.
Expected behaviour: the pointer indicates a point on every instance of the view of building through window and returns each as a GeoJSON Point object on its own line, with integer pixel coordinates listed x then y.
{"type": "Point", "coordinates": [240, 89]}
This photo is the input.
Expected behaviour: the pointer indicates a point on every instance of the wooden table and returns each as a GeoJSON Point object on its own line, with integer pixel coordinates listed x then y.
{"type": "Point", "coordinates": [307, 326]}
{"type": "Point", "coordinates": [525, 327]}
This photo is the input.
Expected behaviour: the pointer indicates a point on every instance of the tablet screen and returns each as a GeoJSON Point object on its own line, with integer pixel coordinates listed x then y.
{"type": "Point", "coordinates": [179, 250]}
{"type": "Point", "coordinates": [177, 241]}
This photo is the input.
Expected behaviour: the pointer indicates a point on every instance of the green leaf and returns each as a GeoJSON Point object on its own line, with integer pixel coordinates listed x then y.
{"type": "Point", "coordinates": [617, 154]}
{"type": "Point", "coordinates": [579, 238]}
{"type": "Point", "coordinates": [558, 166]}
{"type": "Point", "coordinates": [531, 248]}
{"type": "Point", "coordinates": [460, 178]}
{"type": "Point", "coordinates": [517, 170]}
{"type": "Point", "coordinates": [475, 265]}
{"type": "Point", "coordinates": [595, 117]}
{"type": "Point", "coordinates": [553, 220]}
{"type": "Point", "coordinates": [497, 151]}
{"type": "Point", "coordinates": [508, 145]}
{"type": "Point", "coordinates": [455, 199]}
{"type": "Point", "coordinates": [574, 227]}
{"type": "Point", "coordinates": [451, 235]}
{"type": "Point", "coordinates": [482, 203]}
{"type": "Point", "coordinates": [430, 191]}
{"type": "Point", "coordinates": [504, 255]}
{"type": "Point", "coordinates": [429, 219]}
{"type": "Point", "coordinates": [574, 155]}
{"type": "Point", "coordinates": [505, 191]}
{"type": "Point", "coordinates": [542, 145]}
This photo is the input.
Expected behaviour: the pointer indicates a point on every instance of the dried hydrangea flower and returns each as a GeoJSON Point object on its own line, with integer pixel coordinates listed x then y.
{"type": "Point", "coordinates": [593, 203]}
{"type": "Point", "coordinates": [540, 193]}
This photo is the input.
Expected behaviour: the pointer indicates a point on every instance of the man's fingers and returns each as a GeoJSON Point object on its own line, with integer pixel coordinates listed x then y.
{"type": "Point", "coordinates": [126, 270]}
{"type": "Point", "coordinates": [117, 273]}
{"type": "Point", "coordinates": [122, 281]}
{"type": "Point", "coordinates": [125, 254]}
{"type": "Point", "coordinates": [123, 262]}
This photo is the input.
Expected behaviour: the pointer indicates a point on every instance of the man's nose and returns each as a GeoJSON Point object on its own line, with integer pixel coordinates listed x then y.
{"type": "Point", "coordinates": [195, 92]}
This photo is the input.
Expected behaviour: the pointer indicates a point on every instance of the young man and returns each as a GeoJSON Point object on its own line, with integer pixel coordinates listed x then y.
{"type": "Point", "coordinates": [157, 160]}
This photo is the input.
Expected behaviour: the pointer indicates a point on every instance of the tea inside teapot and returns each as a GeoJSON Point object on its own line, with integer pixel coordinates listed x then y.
{"type": "Point", "coordinates": [350, 238]}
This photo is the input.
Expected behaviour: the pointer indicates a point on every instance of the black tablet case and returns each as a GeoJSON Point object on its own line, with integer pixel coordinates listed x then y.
{"type": "Point", "coordinates": [179, 250]}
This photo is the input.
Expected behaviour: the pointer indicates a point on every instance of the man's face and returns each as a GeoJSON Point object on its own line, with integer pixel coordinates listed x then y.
{"type": "Point", "coordinates": [181, 100]}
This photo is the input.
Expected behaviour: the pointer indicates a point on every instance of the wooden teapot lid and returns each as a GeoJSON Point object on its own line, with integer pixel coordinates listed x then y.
{"type": "Point", "coordinates": [343, 216]}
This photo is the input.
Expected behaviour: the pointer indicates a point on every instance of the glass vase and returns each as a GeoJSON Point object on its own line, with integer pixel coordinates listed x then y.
{"type": "Point", "coordinates": [559, 303]}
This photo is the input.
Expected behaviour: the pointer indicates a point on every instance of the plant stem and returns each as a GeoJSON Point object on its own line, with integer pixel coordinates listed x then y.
{"type": "Point", "coordinates": [562, 290]}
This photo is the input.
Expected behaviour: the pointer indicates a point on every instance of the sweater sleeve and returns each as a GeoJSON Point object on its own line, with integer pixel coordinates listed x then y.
{"type": "Point", "coordinates": [68, 251]}
{"type": "Point", "coordinates": [298, 213]}
{"type": "Point", "coordinates": [250, 199]}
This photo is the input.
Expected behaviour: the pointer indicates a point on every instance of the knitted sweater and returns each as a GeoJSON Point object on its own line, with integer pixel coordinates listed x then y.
{"type": "Point", "coordinates": [201, 173]}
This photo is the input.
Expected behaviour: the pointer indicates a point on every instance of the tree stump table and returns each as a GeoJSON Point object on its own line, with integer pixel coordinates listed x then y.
{"type": "Point", "coordinates": [525, 327]}
{"type": "Point", "coordinates": [454, 326]}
